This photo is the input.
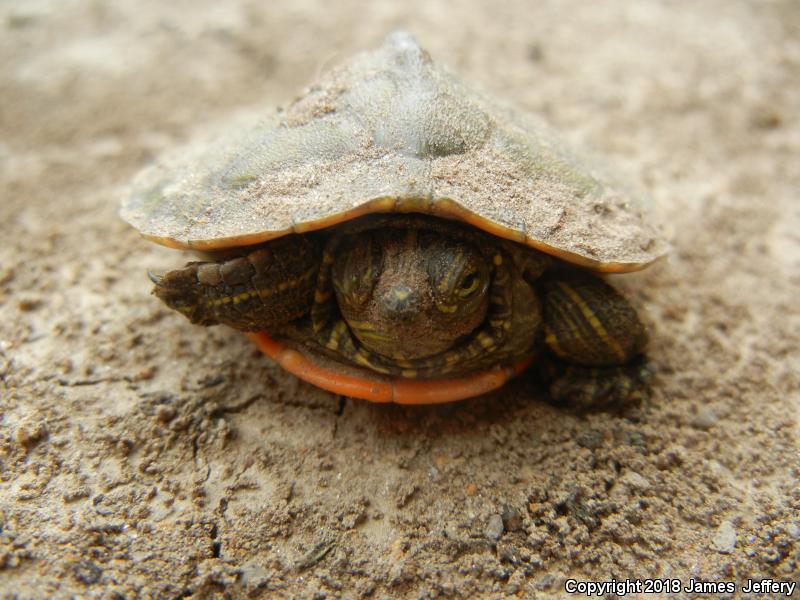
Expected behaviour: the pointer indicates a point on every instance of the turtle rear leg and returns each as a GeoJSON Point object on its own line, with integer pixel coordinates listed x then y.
{"type": "Point", "coordinates": [596, 387]}
{"type": "Point", "coordinates": [596, 339]}
{"type": "Point", "coordinates": [260, 290]}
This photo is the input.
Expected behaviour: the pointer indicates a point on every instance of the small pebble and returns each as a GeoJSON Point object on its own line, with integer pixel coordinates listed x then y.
{"type": "Point", "coordinates": [704, 418]}
{"type": "Point", "coordinates": [494, 528]}
{"type": "Point", "coordinates": [165, 413]}
{"type": "Point", "coordinates": [87, 572]}
{"type": "Point", "coordinates": [633, 480]}
{"type": "Point", "coordinates": [591, 439]}
{"type": "Point", "coordinates": [147, 373]}
{"type": "Point", "coordinates": [512, 518]}
{"type": "Point", "coordinates": [31, 433]}
{"type": "Point", "coordinates": [724, 540]}
{"type": "Point", "coordinates": [545, 582]}
{"type": "Point", "coordinates": [28, 304]}
{"type": "Point", "coordinates": [404, 493]}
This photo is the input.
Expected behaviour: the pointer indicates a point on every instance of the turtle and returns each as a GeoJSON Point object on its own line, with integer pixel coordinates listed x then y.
{"type": "Point", "coordinates": [395, 235]}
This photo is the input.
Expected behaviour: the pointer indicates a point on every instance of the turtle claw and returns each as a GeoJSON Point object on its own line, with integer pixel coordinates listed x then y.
{"type": "Point", "coordinates": [592, 388]}
{"type": "Point", "coordinates": [156, 279]}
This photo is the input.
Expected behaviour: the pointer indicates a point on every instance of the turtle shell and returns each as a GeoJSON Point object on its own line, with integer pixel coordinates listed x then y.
{"type": "Point", "coordinates": [393, 132]}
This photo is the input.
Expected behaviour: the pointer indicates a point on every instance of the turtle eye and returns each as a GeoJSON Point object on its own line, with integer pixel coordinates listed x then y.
{"type": "Point", "coordinates": [469, 284]}
{"type": "Point", "coordinates": [459, 275]}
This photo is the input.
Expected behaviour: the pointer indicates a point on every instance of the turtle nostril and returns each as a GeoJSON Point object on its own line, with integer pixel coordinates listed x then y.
{"type": "Point", "coordinates": [401, 302]}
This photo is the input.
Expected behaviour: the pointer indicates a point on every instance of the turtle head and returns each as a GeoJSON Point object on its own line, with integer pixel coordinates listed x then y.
{"type": "Point", "coordinates": [411, 293]}
{"type": "Point", "coordinates": [179, 290]}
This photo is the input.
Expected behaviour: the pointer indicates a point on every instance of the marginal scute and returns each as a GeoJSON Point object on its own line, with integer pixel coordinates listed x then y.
{"type": "Point", "coordinates": [392, 130]}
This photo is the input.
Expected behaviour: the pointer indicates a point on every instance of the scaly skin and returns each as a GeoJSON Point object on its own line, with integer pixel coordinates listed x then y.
{"type": "Point", "coordinates": [262, 289]}
{"type": "Point", "coordinates": [421, 298]}
{"type": "Point", "coordinates": [596, 340]}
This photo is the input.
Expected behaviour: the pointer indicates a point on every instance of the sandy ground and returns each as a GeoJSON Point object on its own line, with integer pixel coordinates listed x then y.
{"type": "Point", "coordinates": [144, 457]}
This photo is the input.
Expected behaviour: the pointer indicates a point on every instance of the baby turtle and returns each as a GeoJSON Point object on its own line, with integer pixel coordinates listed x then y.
{"type": "Point", "coordinates": [396, 236]}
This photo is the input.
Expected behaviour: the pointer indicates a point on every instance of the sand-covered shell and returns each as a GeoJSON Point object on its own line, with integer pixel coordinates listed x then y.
{"type": "Point", "coordinates": [392, 131]}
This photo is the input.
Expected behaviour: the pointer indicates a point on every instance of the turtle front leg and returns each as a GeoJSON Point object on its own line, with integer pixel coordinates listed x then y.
{"type": "Point", "coordinates": [260, 290]}
{"type": "Point", "coordinates": [596, 338]}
